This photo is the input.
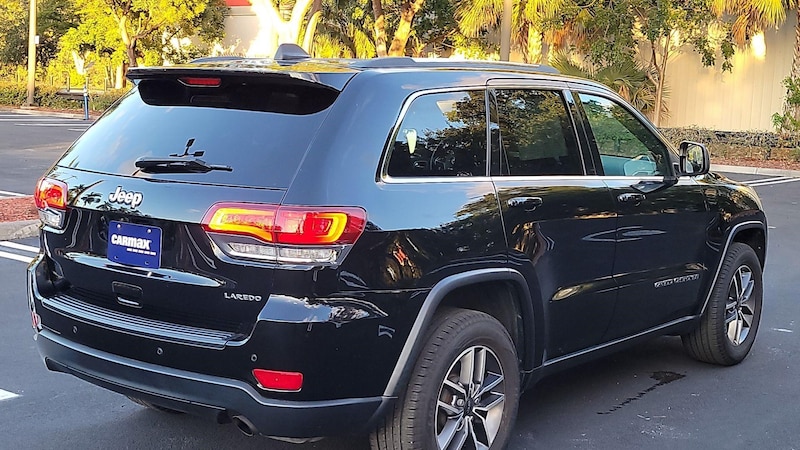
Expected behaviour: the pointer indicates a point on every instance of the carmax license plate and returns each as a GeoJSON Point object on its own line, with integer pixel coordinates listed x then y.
{"type": "Point", "coordinates": [134, 245]}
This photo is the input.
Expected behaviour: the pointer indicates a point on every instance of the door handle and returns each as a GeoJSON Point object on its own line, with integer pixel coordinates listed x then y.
{"type": "Point", "coordinates": [631, 197]}
{"type": "Point", "coordinates": [529, 203]}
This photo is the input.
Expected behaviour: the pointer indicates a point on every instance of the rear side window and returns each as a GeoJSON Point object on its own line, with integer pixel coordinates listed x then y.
{"type": "Point", "coordinates": [260, 130]}
{"type": "Point", "coordinates": [536, 134]}
{"type": "Point", "coordinates": [441, 135]}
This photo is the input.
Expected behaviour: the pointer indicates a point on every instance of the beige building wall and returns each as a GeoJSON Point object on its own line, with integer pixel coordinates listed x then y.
{"type": "Point", "coordinates": [741, 100]}
{"type": "Point", "coordinates": [241, 29]}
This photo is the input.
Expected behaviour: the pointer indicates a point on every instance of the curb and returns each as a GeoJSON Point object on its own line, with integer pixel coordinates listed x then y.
{"type": "Point", "coordinates": [36, 111]}
{"type": "Point", "coordinates": [19, 229]}
{"type": "Point", "coordinates": [755, 170]}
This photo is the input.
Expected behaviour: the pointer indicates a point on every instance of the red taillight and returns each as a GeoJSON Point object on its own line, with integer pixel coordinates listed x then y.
{"type": "Point", "coordinates": [293, 225]}
{"type": "Point", "coordinates": [201, 81]}
{"type": "Point", "coordinates": [51, 194]}
{"type": "Point", "coordinates": [275, 380]}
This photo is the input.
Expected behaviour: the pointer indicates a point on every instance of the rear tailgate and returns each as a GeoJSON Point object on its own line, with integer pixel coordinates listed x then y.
{"type": "Point", "coordinates": [141, 180]}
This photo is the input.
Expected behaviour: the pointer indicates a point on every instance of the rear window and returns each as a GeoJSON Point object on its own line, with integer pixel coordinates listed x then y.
{"type": "Point", "coordinates": [260, 130]}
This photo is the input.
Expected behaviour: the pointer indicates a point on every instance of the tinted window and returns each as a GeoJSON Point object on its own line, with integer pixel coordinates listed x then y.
{"type": "Point", "coordinates": [536, 134]}
{"type": "Point", "coordinates": [263, 148]}
{"type": "Point", "coordinates": [626, 146]}
{"type": "Point", "coordinates": [441, 135]}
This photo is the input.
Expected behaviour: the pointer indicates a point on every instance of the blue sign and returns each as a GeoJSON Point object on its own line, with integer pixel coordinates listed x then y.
{"type": "Point", "coordinates": [134, 245]}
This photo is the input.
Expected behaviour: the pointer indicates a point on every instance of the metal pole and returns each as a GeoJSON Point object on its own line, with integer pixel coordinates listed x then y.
{"type": "Point", "coordinates": [505, 30]}
{"type": "Point", "coordinates": [86, 99]}
{"type": "Point", "coordinates": [31, 52]}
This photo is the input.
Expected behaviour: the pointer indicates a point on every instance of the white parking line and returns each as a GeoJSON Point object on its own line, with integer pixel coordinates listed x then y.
{"type": "Point", "coordinates": [45, 124]}
{"type": "Point", "coordinates": [5, 395]}
{"type": "Point", "coordinates": [15, 257]}
{"type": "Point", "coordinates": [24, 248]}
{"type": "Point", "coordinates": [13, 194]}
{"type": "Point", "coordinates": [765, 180]}
{"type": "Point", "coordinates": [770, 183]}
{"type": "Point", "coordinates": [37, 119]}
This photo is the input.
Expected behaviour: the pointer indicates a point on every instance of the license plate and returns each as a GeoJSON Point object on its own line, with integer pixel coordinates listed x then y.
{"type": "Point", "coordinates": [134, 245]}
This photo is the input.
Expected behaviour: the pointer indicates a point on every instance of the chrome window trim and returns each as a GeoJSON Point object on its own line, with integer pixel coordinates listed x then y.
{"type": "Point", "coordinates": [419, 180]}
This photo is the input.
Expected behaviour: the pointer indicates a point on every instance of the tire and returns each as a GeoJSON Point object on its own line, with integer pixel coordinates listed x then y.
{"type": "Point", "coordinates": [153, 406]}
{"type": "Point", "coordinates": [728, 328]}
{"type": "Point", "coordinates": [435, 405]}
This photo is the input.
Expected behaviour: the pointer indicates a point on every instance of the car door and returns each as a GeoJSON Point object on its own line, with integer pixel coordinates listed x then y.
{"type": "Point", "coordinates": [550, 210]}
{"type": "Point", "coordinates": [662, 220]}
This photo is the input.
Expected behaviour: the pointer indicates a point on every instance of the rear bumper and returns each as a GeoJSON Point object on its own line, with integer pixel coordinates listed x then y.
{"type": "Point", "coordinates": [212, 396]}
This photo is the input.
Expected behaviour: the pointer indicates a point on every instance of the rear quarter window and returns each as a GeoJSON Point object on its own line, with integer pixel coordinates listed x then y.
{"type": "Point", "coordinates": [441, 135]}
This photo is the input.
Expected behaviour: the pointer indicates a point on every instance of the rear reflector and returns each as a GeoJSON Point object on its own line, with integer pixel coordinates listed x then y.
{"type": "Point", "coordinates": [294, 225]}
{"type": "Point", "coordinates": [275, 380]}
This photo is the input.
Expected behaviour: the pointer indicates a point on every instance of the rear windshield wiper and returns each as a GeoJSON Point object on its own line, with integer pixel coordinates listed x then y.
{"type": "Point", "coordinates": [177, 164]}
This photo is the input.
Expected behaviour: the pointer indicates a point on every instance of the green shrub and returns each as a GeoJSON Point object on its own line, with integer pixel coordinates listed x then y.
{"type": "Point", "coordinates": [789, 121]}
{"type": "Point", "coordinates": [16, 94]}
{"type": "Point", "coordinates": [12, 93]}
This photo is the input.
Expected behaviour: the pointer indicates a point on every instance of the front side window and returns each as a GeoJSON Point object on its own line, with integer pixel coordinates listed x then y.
{"type": "Point", "coordinates": [536, 134]}
{"type": "Point", "coordinates": [441, 135]}
{"type": "Point", "coordinates": [626, 146]}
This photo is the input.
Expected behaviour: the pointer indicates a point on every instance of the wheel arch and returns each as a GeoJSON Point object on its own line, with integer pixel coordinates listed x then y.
{"type": "Point", "coordinates": [464, 290]}
{"type": "Point", "coordinates": [752, 233]}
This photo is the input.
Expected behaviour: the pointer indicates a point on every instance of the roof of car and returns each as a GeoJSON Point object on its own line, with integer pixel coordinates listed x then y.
{"type": "Point", "coordinates": [309, 64]}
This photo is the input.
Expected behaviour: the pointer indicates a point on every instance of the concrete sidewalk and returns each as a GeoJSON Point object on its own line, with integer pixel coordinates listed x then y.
{"type": "Point", "coordinates": [28, 228]}
{"type": "Point", "coordinates": [19, 229]}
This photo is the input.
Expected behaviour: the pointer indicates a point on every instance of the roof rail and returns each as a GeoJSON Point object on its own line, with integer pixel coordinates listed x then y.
{"type": "Point", "coordinates": [407, 62]}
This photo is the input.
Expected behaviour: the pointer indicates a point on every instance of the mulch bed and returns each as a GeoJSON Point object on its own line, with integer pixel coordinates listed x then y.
{"type": "Point", "coordinates": [758, 162]}
{"type": "Point", "coordinates": [20, 208]}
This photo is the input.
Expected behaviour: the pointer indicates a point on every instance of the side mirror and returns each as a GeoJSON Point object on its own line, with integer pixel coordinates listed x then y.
{"type": "Point", "coordinates": [694, 159]}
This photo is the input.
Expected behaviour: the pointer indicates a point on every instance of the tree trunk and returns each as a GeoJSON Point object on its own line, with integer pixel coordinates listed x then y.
{"type": "Point", "coordinates": [796, 61]}
{"type": "Point", "coordinates": [662, 74]}
{"type": "Point", "coordinates": [119, 77]}
{"type": "Point", "coordinates": [130, 43]}
{"type": "Point", "coordinates": [796, 57]}
{"type": "Point", "coordinates": [295, 23]}
{"type": "Point", "coordinates": [131, 51]}
{"type": "Point", "coordinates": [410, 8]}
{"type": "Point", "coordinates": [311, 29]}
{"type": "Point", "coordinates": [379, 27]}
{"type": "Point", "coordinates": [545, 59]}
{"type": "Point", "coordinates": [533, 51]}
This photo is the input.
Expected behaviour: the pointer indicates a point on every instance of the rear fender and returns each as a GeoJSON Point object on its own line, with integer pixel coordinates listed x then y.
{"type": "Point", "coordinates": [415, 340]}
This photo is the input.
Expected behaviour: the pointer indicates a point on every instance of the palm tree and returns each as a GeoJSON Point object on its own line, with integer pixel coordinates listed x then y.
{"type": "Point", "coordinates": [345, 30]}
{"type": "Point", "coordinates": [529, 18]}
{"type": "Point", "coordinates": [628, 78]}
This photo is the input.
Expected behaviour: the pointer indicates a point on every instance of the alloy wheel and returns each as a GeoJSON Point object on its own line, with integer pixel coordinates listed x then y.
{"type": "Point", "coordinates": [739, 309]}
{"type": "Point", "coordinates": [471, 401]}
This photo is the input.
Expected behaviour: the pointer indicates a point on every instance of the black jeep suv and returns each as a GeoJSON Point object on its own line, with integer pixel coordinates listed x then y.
{"type": "Point", "coordinates": [392, 246]}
